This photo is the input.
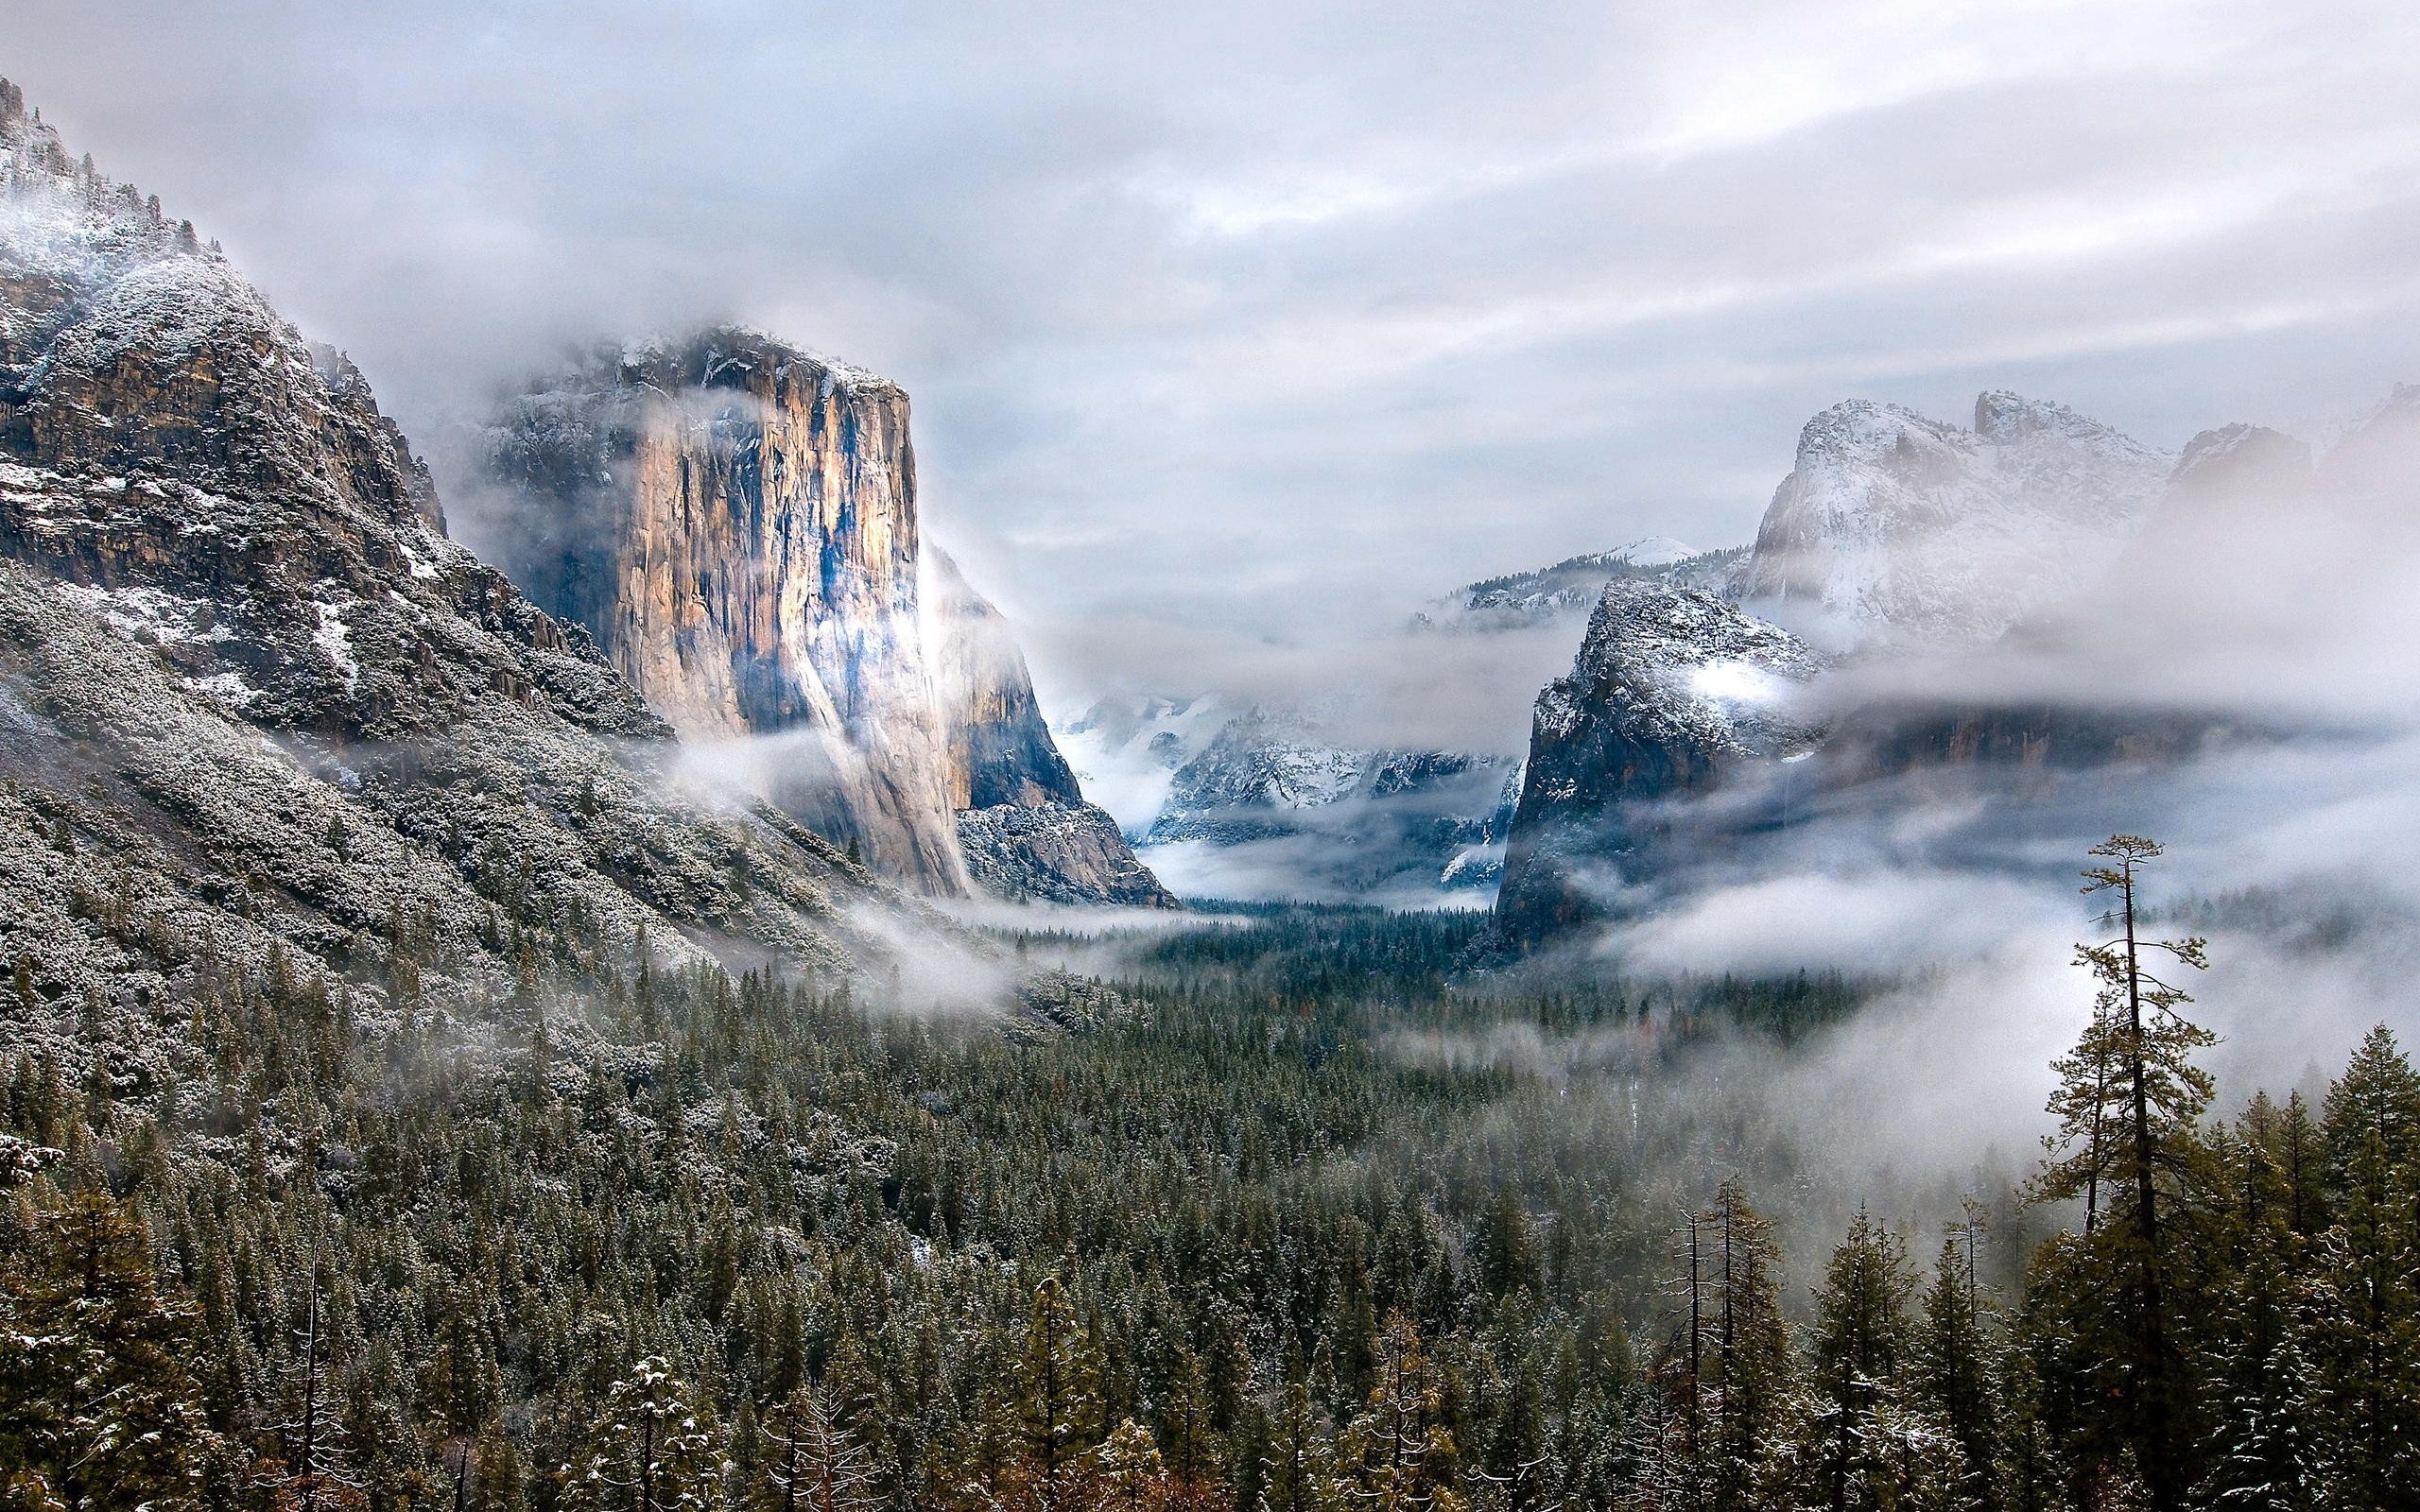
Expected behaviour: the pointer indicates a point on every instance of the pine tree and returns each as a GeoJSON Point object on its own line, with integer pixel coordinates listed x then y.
{"type": "Point", "coordinates": [810, 1462]}
{"type": "Point", "coordinates": [1130, 1476]}
{"type": "Point", "coordinates": [2263, 1449]}
{"type": "Point", "coordinates": [1727, 1422]}
{"type": "Point", "coordinates": [1395, 1454]}
{"type": "Point", "coordinates": [317, 1473]}
{"type": "Point", "coordinates": [650, 1450]}
{"type": "Point", "coordinates": [2367, 1277]}
{"type": "Point", "coordinates": [1958, 1365]}
{"type": "Point", "coordinates": [97, 1409]}
{"type": "Point", "coordinates": [2129, 1102]}
{"type": "Point", "coordinates": [1057, 1402]}
{"type": "Point", "coordinates": [1297, 1469]}
{"type": "Point", "coordinates": [1860, 1347]}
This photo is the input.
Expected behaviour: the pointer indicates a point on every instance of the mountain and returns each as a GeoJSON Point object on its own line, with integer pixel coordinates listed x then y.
{"type": "Point", "coordinates": [1894, 529]}
{"type": "Point", "coordinates": [1674, 693]}
{"type": "Point", "coordinates": [734, 520]}
{"type": "Point", "coordinates": [1292, 805]}
{"type": "Point", "coordinates": [1895, 539]}
{"type": "Point", "coordinates": [263, 715]}
{"type": "Point", "coordinates": [1570, 588]}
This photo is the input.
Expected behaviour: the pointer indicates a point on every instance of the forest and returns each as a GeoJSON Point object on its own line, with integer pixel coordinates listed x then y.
{"type": "Point", "coordinates": [1247, 1234]}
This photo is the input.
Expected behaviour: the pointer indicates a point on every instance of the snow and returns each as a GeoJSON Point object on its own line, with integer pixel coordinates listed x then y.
{"type": "Point", "coordinates": [1894, 527]}
{"type": "Point", "coordinates": [1734, 680]}
{"type": "Point", "coordinates": [336, 643]}
{"type": "Point", "coordinates": [147, 613]}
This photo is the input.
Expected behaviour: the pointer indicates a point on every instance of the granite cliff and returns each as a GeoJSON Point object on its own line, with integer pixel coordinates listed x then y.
{"type": "Point", "coordinates": [734, 522]}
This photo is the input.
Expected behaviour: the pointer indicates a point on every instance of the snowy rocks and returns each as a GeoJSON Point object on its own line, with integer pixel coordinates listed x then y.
{"type": "Point", "coordinates": [1673, 693]}
{"type": "Point", "coordinates": [1894, 529]}
{"type": "Point", "coordinates": [1058, 854]}
{"type": "Point", "coordinates": [260, 708]}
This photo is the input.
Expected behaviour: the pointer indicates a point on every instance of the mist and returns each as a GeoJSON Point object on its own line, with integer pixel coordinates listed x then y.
{"type": "Point", "coordinates": [1258, 325]}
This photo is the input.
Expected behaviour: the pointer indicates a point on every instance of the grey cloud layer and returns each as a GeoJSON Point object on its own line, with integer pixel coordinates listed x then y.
{"type": "Point", "coordinates": [1264, 321]}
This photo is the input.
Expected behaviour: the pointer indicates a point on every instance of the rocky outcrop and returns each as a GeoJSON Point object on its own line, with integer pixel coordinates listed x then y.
{"type": "Point", "coordinates": [259, 706]}
{"type": "Point", "coordinates": [1894, 530]}
{"type": "Point", "coordinates": [1023, 824]}
{"type": "Point", "coordinates": [1057, 853]}
{"type": "Point", "coordinates": [1675, 694]}
{"type": "Point", "coordinates": [734, 520]}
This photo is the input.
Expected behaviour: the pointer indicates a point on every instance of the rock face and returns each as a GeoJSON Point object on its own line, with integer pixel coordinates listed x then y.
{"type": "Point", "coordinates": [1058, 854]}
{"type": "Point", "coordinates": [256, 702]}
{"type": "Point", "coordinates": [1000, 748]}
{"type": "Point", "coordinates": [734, 522]}
{"type": "Point", "coordinates": [1023, 825]}
{"type": "Point", "coordinates": [1673, 693]}
{"type": "Point", "coordinates": [1894, 530]}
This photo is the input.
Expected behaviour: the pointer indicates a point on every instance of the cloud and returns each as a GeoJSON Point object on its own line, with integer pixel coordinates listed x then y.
{"type": "Point", "coordinates": [1272, 322]}
{"type": "Point", "coordinates": [1874, 923]}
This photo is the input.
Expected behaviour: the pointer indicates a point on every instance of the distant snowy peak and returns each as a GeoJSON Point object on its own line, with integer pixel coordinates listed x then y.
{"type": "Point", "coordinates": [1894, 528]}
{"type": "Point", "coordinates": [1126, 749]}
{"type": "Point", "coordinates": [1570, 588]}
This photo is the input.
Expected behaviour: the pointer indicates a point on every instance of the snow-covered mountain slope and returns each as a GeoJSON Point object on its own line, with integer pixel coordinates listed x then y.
{"type": "Point", "coordinates": [734, 520]}
{"type": "Point", "coordinates": [1126, 749]}
{"type": "Point", "coordinates": [1674, 689]}
{"type": "Point", "coordinates": [1894, 529]}
{"type": "Point", "coordinates": [1570, 588]}
{"type": "Point", "coordinates": [258, 706]}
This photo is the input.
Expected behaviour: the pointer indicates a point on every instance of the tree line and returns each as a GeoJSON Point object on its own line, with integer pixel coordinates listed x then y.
{"type": "Point", "coordinates": [654, 1239]}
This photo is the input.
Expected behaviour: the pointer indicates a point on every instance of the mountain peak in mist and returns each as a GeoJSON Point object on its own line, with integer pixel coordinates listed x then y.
{"type": "Point", "coordinates": [1895, 528]}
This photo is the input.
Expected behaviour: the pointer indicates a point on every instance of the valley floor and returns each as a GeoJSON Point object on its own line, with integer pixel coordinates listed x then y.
{"type": "Point", "coordinates": [1299, 1213]}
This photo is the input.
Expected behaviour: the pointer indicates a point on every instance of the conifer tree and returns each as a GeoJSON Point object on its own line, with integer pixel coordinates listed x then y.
{"type": "Point", "coordinates": [1861, 1348]}
{"type": "Point", "coordinates": [811, 1463]}
{"type": "Point", "coordinates": [2264, 1451]}
{"type": "Point", "coordinates": [1058, 1402]}
{"type": "Point", "coordinates": [317, 1473]}
{"type": "Point", "coordinates": [1959, 1366]}
{"type": "Point", "coordinates": [97, 1409]}
{"type": "Point", "coordinates": [2367, 1278]}
{"type": "Point", "coordinates": [1132, 1477]}
{"type": "Point", "coordinates": [2129, 1101]}
{"type": "Point", "coordinates": [1395, 1456]}
{"type": "Point", "coordinates": [649, 1450]}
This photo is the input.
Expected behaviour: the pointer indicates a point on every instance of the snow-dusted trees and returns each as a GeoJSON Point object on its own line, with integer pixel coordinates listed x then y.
{"type": "Point", "coordinates": [96, 1408]}
{"type": "Point", "coordinates": [651, 1449]}
{"type": "Point", "coordinates": [1865, 1447]}
{"type": "Point", "coordinates": [811, 1462]}
{"type": "Point", "coordinates": [1395, 1454]}
{"type": "Point", "coordinates": [2366, 1278]}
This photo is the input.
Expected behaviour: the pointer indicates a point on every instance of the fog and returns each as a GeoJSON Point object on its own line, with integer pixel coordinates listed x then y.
{"type": "Point", "coordinates": [1258, 325]}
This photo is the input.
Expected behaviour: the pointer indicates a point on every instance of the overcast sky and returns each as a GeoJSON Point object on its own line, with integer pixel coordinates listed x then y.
{"type": "Point", "coordinates": [1235, 323]}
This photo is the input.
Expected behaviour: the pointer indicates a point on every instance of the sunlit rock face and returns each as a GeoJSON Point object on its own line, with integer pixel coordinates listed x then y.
{"type": "Point", "coordinates": [734, 520]}
{"type": "Point", "coordinates": [1675, 693]}
{"type": "Point", "coordinates": [249, 685]}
